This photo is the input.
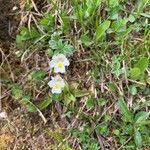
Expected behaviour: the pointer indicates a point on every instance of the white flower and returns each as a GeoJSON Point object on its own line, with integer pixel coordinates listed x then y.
{"type": "Point", "coordinates": [59, 62]}
{"type": "Point", "coordinates": [57, 83]}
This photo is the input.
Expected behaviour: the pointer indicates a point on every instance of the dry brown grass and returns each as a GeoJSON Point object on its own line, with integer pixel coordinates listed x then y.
{"type": "Point", "coordinates": [4, 141]}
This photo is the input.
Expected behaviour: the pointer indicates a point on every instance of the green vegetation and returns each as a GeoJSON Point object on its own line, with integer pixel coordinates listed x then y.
{"type": "Point", "coordinates": [106, 97]}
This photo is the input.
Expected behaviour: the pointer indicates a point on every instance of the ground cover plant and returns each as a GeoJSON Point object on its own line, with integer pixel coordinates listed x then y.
{"type": "Point", "coordinates": [75, 75]}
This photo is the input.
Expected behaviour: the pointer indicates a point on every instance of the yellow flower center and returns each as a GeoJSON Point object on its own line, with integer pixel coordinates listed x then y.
{"type": "Point", "coordinates": [59, 65]}
{"type": "Point", "coordinates": [57, 85]}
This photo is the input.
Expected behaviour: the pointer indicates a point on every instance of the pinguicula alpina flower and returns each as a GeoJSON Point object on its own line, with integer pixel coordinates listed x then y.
{"type": "Point", "coordinates": [57, 84]}
{"type": "Point", "coordinates": [59, 62]}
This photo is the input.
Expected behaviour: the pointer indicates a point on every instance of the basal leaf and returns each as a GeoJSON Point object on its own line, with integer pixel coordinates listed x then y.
{"type": "Point", "coordinates": [44, 104]}
{"type": "Point", "coordinates": [142, 64]}
{"type": "Point", "coordinates": [135, 73]}
{"type": "Point", "coordinates": [124, 110]}
{"type": "Point", "coordinates": [141, 117]}
{"type": "Point", "coordinates": [101, 29]}
{"type": "Point", "coordinates": [113, 3]}
{"type": "Point", "coordinates": [138, 138]}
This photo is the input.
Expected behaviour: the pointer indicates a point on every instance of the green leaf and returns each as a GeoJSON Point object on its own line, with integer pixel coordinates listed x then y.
{"type": "Point", "coordinates": [47, 22]}
{"type": "Point", "coordinates": [102, 129]}
{"type": "Point", "coordinates": [101, 102]}
{"type": "Point", "coordinates": [31, 108]}
{"type": "Point", "coordinates": [17, 92]}
{"type": "Point", "coordinates": [19, 39]}
{"type": "Point", "coordinates": [69, 98]}
{"type": "Point", "coordinates": [135, 73]}
{"type": "Point", "coordinates": [124, 110]}
{"type": "Point", "coordinates": [67, 49]}
{"type": "Point", "coordinates": [90, 103]}
{"type": "Point", "coordinates": [26, 101]}
{"type": "Point", "coordinates": [141, 117]}
{"type": "Point", "coordinates": [113, 87]}
{"type": "Point", "coordinates": [138, 138]}
{"type": "Point", "coordinates": [142, 4]}
{"type": "Point", "coordinates": [66, 23]}
{"type": "Point", "coordinates": [36, 76]}
{"type": "Point", "coordinates": [142, 64]}
{"type": "Point", "coordinates": [92, 6]}
{"type": "Point", "coordinates": [133, 90]}
{"type": "Point", "coordinates": [101, 29]}
{"type": "Point", "coordinates": [59, 46]}
{"type": "Point", "coordinates": [33, 33]}
{"type": "Point", "coordinates": [54, 44]}
{"type": "Point", "coordinates": [44, 104]}
{"type": "Point", "coordinates": [50, 52]}
{"type": "Point", "coordinates": [80, 93]}
{"type": "Point", "coordinates": [116, 66]}
{"type": "Point", "coordinates": [116, 132]}
{"type": "Point", "coordinates": [113, 3]}
{"type": "Point", "coordinates": [131, 18]}
{"type": "Point", "coordinates": [119, 25]}
{"type": "Point", "coordinates": [86, 40]}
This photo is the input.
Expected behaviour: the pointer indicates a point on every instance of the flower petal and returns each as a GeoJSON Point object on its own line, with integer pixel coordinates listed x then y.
{"type": "Point", "coordinates": [51, 83]}
{"type": "Point", "coordinates": [61, 70]}
{"type": "Point", "coordinates": [66, 62]}
{"type": "Point", "coordinates": [58, 91]}
{"type": "Point", "coordinates": [62, 84]}
{"type": "Point", "coordinates": [52, 63]}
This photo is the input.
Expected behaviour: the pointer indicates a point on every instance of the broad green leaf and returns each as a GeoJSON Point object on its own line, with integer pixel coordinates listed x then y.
{"type": "Point", "coordinates": [142, 64]}
{"type": "Point", "coordinates": [19, 39]}
{"type": "Point", "coordinates": [26, 101]}
{"type": "Point", "coordinates": [101, 102]}
{"type": "Point", "coordinates": [59, 46]}
{"type": "Point", "coordinates": [50, 52]}
{"type": "Point", "coordinates": [135, 73]}
{"type": "Point", "coordinates": [116, 132]}
{"type": "Point", "coordinates": [80, 93]}
{"type": "Point", "coordinates": [133, 90]}
{"type": "Point", "coordinates": [119, 25]}
{"type": "Point", "coordinates": [54, 44]}
{"type": "Point", "coordinates": [131, 18]}
{"type": "Point", "coordinates": [90, 103]}
{"type": "Point", "coordinates": [34, 33]}
{"type": "Point", "coordinates": [36, 76]}
{"type": "Point", "coordinates": [113, 87]}
{"type": "Point", "coordinates": [31, 108]}
{"type": "Point", "coordinates": [44, 104]}
{"type": "Point", "coordinates": [66, 23]}
{"type": "Point", "coordinates": [124, 110]}
{"type": "Point", "coordinates": [69, 98]}
{"type": "Point", "coordinates": [92, 6]}
{"type": "Point", "coordinates": [86, 40]}
{"type": "Point", "coordinates": [141, 117]}
{"type": "Point", "coordinates": [113, 3]}
{"type": "Point", "coordinates": [101, 29]}
{"type": "Point", "coordinates": [102, 129]}
{"type": "Point", "coordinates": [138, 138]}
{"type": "Point", "coordinates": [47, 22]}
{"type": "Point", "coordinates": [67, 49]}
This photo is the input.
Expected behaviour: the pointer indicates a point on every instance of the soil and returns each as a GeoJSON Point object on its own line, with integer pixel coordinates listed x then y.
{"type": "Point", "coordinates": [8, 21]}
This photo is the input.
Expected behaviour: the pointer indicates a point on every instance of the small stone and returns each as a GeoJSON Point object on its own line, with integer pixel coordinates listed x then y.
{"type": "Point", "coordinates": [3, 115]}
